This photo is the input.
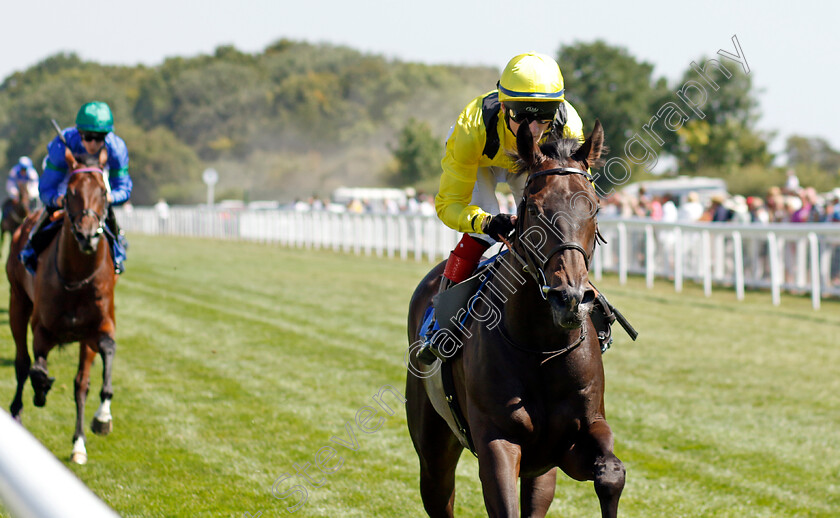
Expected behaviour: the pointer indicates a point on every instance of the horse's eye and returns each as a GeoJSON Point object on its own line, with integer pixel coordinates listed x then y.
{"type": "Point", "coordinates": [532, 210]}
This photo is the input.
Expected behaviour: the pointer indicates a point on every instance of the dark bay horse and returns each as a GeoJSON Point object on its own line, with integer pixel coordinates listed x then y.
{"type": "Point", "coordinates": [530, 382]}
{"type": "Point", "coordinates": [69, 299]}
{"type": "Point", "coordinates": [14, 211]}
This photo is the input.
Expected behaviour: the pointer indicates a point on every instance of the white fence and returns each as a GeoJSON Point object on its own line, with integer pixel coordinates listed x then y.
{"type": "Point", "coordinates": [34, 484]}
{"type": "Point", "coordinates": [799, 258]}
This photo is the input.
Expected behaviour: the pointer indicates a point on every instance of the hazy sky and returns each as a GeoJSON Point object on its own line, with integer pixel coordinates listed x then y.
{"type": "Point", "coordinates": [791, 48]}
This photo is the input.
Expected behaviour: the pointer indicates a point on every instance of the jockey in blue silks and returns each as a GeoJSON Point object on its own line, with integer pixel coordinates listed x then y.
{"type": "Point", "coordinates": [94, 130]}
{"type": "Point", "coordinates": [22, 172]}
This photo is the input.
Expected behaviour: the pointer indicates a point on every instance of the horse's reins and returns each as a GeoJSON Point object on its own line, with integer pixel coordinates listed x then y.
{"type": "Point", "coordinates": [529, 265]}
{"type": "Point", "coordinates": [538, 273]}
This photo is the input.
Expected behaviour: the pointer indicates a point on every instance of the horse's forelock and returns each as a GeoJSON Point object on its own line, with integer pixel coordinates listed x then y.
{"type": "Point", "coordinates": [87, 160]}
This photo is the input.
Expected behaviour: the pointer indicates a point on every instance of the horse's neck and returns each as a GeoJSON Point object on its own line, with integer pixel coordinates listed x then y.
{"type": "Point", "coordinates": [23, 197]}
{"type": "Point", "coordinates": [72, 263]}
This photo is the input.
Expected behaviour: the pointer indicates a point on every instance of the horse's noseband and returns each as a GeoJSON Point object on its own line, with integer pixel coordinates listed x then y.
{"type": "Point", "coordinates": [529, 265]}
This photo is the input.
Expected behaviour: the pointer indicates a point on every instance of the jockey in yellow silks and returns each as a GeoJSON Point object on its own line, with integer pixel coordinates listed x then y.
{"type": "Point", "coordinates": [530, 91]}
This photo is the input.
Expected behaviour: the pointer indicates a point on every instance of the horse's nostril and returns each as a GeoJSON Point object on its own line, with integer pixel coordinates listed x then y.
{"type": "Point", "coordinates": [588, 297]}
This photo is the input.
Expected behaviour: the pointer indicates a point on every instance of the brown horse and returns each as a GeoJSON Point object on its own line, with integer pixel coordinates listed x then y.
{"type": "Point", "coordinates": [530, 381]}
{"type": "Point", "coordinates": [69, 299]}
{"type": "Point", "coordinates": [14, 211]}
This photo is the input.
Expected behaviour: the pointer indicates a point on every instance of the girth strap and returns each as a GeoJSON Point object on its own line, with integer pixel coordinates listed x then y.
{"type": "Point", "coordinates": [451, 397]}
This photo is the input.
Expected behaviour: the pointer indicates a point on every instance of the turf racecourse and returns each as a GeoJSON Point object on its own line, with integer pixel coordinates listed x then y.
{"type": "Point", "coordinates": [236, 361]}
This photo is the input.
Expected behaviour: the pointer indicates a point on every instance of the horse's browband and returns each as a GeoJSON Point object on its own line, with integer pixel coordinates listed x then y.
{"type": "Point", "coordinates": [87, 170]}
{"type": "Point", "coordinates": [559, 171]}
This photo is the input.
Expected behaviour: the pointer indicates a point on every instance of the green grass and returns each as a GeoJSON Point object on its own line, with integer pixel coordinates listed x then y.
{"type": "Point", "coordinates": [237, 360]}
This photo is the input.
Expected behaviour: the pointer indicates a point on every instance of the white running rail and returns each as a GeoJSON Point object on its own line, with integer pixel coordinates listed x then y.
{"type": "Point", "coordinates": [795, 258]}
{"type": "Point", "coordinates": [34, 484]}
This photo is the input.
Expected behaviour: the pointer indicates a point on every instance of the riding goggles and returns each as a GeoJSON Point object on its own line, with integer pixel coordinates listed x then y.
{"type": "Point", "coordinates": [523, 111]}
{"type": "Point", "coordinates": [91, 136]}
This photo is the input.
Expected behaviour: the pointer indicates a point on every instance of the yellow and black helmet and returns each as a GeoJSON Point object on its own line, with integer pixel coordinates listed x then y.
{"type": "Point", "coordinates": [531, 77]}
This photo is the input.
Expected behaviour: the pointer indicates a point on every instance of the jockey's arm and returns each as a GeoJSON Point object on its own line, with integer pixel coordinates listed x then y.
{"type": "Point", "coordinates": [11, 187]}
{"type": "Point", "coordinates": [120, 186]}
{"type": "Point", "coordinates": [460, 164]}
{"type": "Point", "coordinates": [118, 178]}
{"type": "Point", "coordinates": [48, 187]}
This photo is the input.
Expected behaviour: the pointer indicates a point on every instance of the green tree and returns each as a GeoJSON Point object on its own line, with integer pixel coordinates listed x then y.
{"type": "Point", "coordinates": [812, 151]}
{"type": "Point", "coordinates": [161, 165]}
{"type": "Point", "coordinates": [721, 133]}
{"type": "Point", "coordinates": [607, 83]}
{"type": "Point", "coordinates": [418, 153]}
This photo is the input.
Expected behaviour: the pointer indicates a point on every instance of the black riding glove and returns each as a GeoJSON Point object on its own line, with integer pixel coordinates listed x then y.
{"type": "Point", "coordinates": [499, 226]}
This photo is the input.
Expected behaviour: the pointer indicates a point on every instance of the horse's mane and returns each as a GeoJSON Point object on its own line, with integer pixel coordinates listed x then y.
{"type": "Point", "coordinates": [88, 160]}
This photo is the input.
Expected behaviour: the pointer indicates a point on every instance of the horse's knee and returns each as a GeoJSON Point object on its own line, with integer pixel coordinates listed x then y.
{"type": "Point", "coordinates": [107, 346]}
{"type": "Point", "coordinates": [41, 384]}
{"type": "Point", "coordinates": [609, 477]}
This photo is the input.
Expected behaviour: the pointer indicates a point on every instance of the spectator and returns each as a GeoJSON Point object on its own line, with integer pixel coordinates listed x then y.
{"type": "Point", "coordinates": [691, 210]}
{"type": "Point", "coordinates": [758, 212]}
{"type": "Point", "coordinates": [792, 183]}
{"type": "Point", "coordinates": [776, 205]}
{"type": "Point", "coordinates": [718, 212]}
{"type": "Point", "coordinates": [162, 210]}
{"type": "Point", "coordinates": [670, 213]}
{"type": "Point", "coordinates": [740, 210]}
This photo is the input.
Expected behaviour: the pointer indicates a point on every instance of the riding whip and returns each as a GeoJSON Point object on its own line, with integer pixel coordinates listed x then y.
{"type": "Point", "coordinates": [60, 134]}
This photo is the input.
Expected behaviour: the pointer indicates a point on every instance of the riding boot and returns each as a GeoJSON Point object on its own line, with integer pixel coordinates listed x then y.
{"type": "Point", "coordinates": [117, 240]}
{"type": "Point", "coordinates": [459, 266]}
{"type": "Point", "coordinates": [38, 240]}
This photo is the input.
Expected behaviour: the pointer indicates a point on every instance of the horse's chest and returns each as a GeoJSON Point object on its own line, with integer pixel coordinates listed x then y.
{"type": "Point", "coordinates": [71, 317]}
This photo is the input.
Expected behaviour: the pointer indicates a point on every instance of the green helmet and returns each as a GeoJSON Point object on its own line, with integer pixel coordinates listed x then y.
{"type": "Point", "coordinates": [95, 116]}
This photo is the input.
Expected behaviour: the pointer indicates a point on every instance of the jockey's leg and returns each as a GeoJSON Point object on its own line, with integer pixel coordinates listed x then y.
{"type": "Point", "coordinates": [38, 240]}
{"type": "Point", "coordinates": [117, 240]}
{"type": "Point", "coordinates": [463, 259]}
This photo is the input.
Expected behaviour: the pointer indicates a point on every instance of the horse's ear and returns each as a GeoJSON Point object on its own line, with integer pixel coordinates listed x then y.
{"type": "Point", "coordinates": [525, 145]}
{"type": "Point", "coordinates": [72, 164]}
{"type": "Point", "coordinates": [591, 150]}
{"type": "Point", "coordinates": [103, 157]}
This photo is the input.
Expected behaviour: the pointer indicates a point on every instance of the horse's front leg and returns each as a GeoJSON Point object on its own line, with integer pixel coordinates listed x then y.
{"type": "Point", "coordinates": [20, 309]}
{"type": "Point", "coordinates": [81, 385]}
{"type": "Point", "coordinates": [39, 374]}
{"type": "Point", "coordinates": [498, 469]}
{"type": "Point", "coordinates": [102, 423]}
{"type": "Point", "coordinates": [537, 494]}
{"type": "Point", "coordinates": [593, 459]}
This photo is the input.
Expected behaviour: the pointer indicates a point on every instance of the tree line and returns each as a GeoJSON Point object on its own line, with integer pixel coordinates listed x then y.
{"type": "Point", "coordinates": [300, 118]}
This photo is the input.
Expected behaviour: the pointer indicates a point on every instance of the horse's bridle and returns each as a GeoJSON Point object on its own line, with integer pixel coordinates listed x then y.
{"type": "Point", "coordinates": [529, 263]}
{"type": "Point", "coordinates": [100, 218]}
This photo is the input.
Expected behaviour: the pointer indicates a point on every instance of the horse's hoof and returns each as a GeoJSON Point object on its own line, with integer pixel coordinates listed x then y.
{"type": "Point", "coordinates": [78, 458]}
{"type": "Point", "coordinates": [101, 427]}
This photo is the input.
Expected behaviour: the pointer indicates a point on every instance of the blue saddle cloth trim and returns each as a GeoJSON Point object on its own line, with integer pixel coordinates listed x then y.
{"type": "Point", "coordinates": [430, 325]}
